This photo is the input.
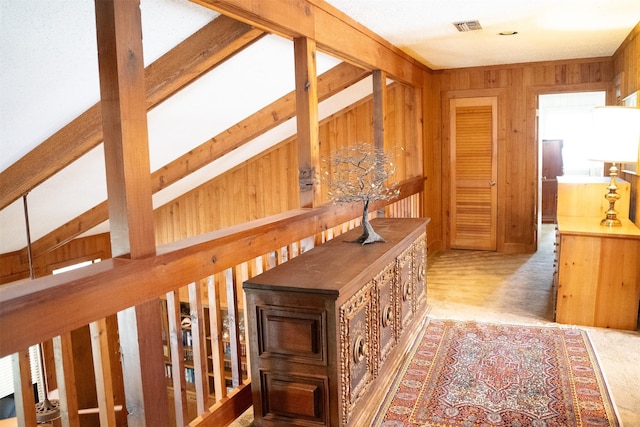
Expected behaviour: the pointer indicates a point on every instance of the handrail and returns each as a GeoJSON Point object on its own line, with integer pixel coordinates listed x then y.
{"type": "Point", "coordinates": [30, 309]}
{"type": "Point", "coordinates": [33, 311]}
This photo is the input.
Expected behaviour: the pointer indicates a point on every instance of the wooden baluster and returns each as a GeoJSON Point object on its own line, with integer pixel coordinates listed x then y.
{"type": "Point", "coordinates": [293, 249]}
{"type": "Point", "coordinates": [272, 260]}
{"type": "Point", "coordinates": [198, 347]}
{"type": "Point", "coordinates": [255, 267]}
{"type": "Point", "coordinates": [177, 358]}
{"type": "Point", "coordinates": [24, 399]}
{"type": "Point", "coordinates": [232, 303]}
{"type": "Point", "coordinates": [102, 369]}
{"type": "Point", "coordinates": [66, 377]}
{"type": "Point", "coordinates": [307, 244]}
{"type": "Point", "coordinates": [217, 348]}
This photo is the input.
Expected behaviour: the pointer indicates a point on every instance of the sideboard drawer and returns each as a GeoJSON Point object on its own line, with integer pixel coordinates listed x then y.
{"type": "Point", "coordinates": [277, 325]}
{"type": "Point", "coordinates": [287, 396]}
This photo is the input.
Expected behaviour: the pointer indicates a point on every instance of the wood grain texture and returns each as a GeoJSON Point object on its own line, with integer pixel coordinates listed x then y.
{"type": "Point", "coordinates": [315, 328]}
{"type": "Point", "coordinates": [517, 87]}
{"type": "Point", "coordinates": [598, 273]}
{"type": "Point", "coordinates": [333, 31]}
{"type": "Point", "coordinates": [306, 79]}
{"type": "Point", "coordinates": [474, 173]}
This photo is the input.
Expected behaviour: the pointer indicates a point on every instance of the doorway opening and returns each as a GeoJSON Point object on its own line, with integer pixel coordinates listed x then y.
{"type": "Point", "coordinates": [567, 117]}
{"type": "Point", "coordinates": [564, 128]}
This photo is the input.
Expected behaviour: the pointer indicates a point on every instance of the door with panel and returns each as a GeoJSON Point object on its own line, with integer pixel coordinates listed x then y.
{"type": "Point", "coordinates": [474, 141]}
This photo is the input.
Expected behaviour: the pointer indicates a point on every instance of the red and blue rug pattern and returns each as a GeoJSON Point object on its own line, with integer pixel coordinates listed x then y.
{"type": "Point", "coordinates": [466, 374]}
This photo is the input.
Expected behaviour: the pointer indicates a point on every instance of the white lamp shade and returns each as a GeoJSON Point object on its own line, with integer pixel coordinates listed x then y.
{"type": "Point", "coordinates": [616, 134]}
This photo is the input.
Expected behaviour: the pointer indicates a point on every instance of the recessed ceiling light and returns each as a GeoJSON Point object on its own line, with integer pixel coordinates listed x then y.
{"type": "Point", "coordinates": [508, 33]}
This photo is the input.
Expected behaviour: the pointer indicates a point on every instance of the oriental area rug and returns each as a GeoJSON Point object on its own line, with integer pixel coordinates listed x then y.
{"type": "Point", "coordinates": [465, 374]}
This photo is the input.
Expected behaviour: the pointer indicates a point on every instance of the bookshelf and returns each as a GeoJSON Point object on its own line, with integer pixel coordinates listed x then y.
{"type": "Point", "coordinates": [187, 340]}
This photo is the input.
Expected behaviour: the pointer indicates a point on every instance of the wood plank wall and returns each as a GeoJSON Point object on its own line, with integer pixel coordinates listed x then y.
{"type": "Point", "coordinates": [626, 65]}
{"type": "Point", "coordinates": [517, 87]}
{"type": "Point", "coordinates": [15, 266]}
{"type": "Point", "coordinates": [264, 185]}
{"type": "Point", "coordinates": [267, 184]}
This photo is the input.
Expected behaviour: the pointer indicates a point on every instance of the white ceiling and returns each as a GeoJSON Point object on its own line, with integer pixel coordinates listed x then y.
{"type": "Point", "coordinates": [49, 75]}
{"type": "Point", "coordinates": [547, 29]}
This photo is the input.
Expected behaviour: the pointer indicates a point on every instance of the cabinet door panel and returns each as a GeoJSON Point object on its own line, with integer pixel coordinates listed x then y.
{"type": "Point", "coordinates": [420, 270]}
{"type": "Point", "coordinates": [356, 344]}
{"type": "Point", "coordinates": [404, 283]}
{"type": "Point", "coordinates": [386, 316]}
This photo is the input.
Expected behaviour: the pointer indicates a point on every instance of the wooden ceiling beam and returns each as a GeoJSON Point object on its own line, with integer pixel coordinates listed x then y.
{"type": "Point", "coordinates": [281, 110]}
{"type": "Point", "coordinates": [208, 47]}
{"type": "Point", "coordinates": [333, 31]}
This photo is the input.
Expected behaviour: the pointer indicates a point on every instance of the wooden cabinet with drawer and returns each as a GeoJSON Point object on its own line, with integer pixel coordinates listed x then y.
{"type": "Point", "coordinates": [327, 328]}
{"type": "Point", "coordinates": [598, 281]}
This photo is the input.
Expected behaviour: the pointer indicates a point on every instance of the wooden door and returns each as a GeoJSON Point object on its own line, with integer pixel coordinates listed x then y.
{"type": "Point", "coordinates": [474, 140]}
{"type": "Point", "coordinates": [551, 170]}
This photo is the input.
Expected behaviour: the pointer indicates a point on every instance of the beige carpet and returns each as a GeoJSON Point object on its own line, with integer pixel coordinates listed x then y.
{"type": "Point", "coordinates": [487, 286]}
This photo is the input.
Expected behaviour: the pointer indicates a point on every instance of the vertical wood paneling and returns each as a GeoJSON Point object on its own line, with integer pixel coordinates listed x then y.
{"type": "Point", "coordinates": [268, 184]}
{"type": "Point", "coordinates": [517, 145]}
{"type": "Point", "coordinates": [626, 64]}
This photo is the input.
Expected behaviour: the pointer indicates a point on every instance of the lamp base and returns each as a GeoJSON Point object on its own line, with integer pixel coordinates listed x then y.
{"type": "Point", "coordinates": [612, 196]}
{"type": "Point", "coordinates": [611, 222]}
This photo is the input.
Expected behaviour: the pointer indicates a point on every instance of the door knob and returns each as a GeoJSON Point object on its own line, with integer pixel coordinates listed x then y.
{"type": "Point", "coordinates": [492, 183]}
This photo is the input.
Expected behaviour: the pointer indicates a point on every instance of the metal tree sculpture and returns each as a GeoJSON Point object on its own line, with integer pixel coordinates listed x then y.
{"type": "Point", "coordinates": [360, 173]}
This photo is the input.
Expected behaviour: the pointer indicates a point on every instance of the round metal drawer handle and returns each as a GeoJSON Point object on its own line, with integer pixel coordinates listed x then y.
{"type": "Point", "coordinates": [406, 290]}
{"type": "Point", "coordinates": [360, 349]}
{"type": "Point", "coordinates": [387, 316]}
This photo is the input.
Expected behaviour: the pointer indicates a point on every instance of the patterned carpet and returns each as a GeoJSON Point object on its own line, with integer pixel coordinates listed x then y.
{"type": "Point", "coordinates": [464, 374]}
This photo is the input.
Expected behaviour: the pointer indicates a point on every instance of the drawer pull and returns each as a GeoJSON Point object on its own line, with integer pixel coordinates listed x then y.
{"type": "Point", "coordinates": [360, 349]}
{"type": "Point", "coordinates": [406, 290]}
{"type": "Point", "coordinates": [387, 316]}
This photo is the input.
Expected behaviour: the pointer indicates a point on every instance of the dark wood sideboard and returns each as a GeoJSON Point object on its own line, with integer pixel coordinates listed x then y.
{"type": "Point", "coordinates": [329, 328]}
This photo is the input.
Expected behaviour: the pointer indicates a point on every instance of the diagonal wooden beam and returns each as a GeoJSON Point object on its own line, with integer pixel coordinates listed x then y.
{"type": "Point", "coordinates": [281, 110]}
{"type": "Point", "coordinates": [274, 114]}
{"type": "Point", "coordinates": [212, 44]}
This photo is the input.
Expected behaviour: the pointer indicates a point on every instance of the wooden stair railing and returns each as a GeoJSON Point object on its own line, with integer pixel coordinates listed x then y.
{"type": "Point", "coordinates": [214, 391]}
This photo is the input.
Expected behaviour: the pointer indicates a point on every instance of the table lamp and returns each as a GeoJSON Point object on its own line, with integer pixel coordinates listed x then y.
{"type": "Point", "coordinates": [616, 140]}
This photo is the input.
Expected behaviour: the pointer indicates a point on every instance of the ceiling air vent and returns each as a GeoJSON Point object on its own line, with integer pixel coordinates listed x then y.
{"type": "Point", "coordinates": [463, 26]}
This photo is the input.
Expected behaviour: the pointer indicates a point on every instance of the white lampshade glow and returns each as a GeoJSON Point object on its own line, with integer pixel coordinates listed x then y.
{"type": "Point", "coordinates": [616, 134]}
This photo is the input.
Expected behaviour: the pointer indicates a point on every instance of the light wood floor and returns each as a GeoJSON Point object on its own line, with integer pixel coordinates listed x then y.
{"type": "Point", "coordinates": [505, 288]}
